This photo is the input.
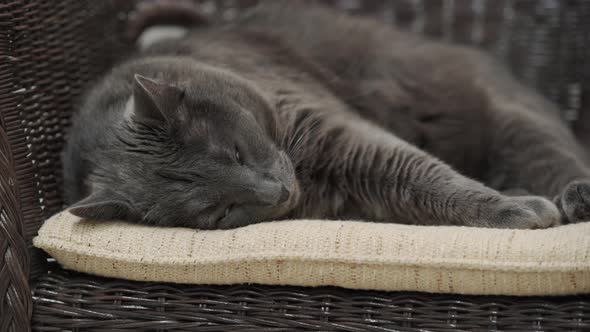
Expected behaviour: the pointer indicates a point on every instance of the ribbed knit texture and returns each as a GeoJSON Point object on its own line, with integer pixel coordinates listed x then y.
{"type": "Point", "coordinates": [360, 255]}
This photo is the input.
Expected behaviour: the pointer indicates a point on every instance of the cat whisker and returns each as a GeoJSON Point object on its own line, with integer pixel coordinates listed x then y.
{"type": "Point", "coordinates": [297, 142]}
{"type": "Point", "coordinates": [296, 138]}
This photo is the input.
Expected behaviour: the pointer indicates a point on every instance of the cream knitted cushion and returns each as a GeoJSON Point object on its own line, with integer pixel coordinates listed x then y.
{"type": "Point", "coordinates": [314, 253]}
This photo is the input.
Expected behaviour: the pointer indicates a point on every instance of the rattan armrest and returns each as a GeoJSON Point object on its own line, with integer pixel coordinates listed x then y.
{"type": "Point", "coordinates": [15, 295]}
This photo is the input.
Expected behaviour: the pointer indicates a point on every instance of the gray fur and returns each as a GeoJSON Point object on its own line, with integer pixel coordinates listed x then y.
{"type": "Point", "coordinates": [338, 117]}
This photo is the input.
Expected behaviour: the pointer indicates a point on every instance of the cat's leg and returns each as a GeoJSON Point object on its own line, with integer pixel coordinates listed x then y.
{"type": "Point", "coordinates": [538, 153]}
{"type": "Point", "coordinates": [359, 170]}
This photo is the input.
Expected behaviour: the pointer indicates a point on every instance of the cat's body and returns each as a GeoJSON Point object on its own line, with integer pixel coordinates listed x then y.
{"type": "Point", "coordinates": [346, 105]}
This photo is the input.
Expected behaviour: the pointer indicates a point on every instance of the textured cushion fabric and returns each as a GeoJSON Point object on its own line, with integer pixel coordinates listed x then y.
{"type": "Point", "coordinates": [360, 255]}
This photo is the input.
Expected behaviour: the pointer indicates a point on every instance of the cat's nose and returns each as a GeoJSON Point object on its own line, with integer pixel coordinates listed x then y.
{"type": "Point", "coordinates": [269, 192]}
{"type": "Point", "coordinates": [284, 195]}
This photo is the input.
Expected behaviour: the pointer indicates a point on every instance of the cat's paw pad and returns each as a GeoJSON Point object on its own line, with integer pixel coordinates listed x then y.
{"type": "Point", "coordinates": [526, 212]}
{"type": "Point", "coordinates": [575, 202]}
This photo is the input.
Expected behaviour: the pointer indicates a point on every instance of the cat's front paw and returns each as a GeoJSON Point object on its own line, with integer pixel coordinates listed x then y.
{"type": "Point", "coordinates": [525, 212]}
{"type": "Point", "coordinates": [574, 202]}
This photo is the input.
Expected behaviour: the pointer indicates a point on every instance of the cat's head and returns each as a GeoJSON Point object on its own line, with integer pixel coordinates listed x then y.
{"type": "Point", "coordinates": [197, 152]}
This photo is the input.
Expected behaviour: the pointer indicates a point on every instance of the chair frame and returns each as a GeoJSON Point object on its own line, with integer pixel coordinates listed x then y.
{"type": "Point", "coordinates": [49, 51]}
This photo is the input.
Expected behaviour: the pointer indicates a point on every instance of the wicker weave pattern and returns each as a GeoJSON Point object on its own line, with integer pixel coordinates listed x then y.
{"type": "Point", "coordinates": [14, 260]}
{"type": "Point", "coordinates": [76, 301]}
{"type": "Point", "coordinates": [15, 301]}
{"type": "Point", "coordinates": [49, 50]}
{"type": "Point", "coordinates": [46, 58]}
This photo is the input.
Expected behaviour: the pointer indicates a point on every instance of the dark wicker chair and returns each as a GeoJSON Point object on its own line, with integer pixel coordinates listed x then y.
{"type": "Point", "coordinates": [49, 50]}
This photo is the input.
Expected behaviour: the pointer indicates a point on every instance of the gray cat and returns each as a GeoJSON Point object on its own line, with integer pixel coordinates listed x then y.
{"type": "Point", "coordinates": [301, 112]}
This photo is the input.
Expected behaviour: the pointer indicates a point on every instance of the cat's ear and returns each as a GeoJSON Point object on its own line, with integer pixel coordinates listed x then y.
{"type": "Point", "coordinates": [155, 100]}
{"type": "Point", "coordinates": [104, 205]}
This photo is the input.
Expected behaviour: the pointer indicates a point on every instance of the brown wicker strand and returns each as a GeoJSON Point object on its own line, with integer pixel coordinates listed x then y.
{"type": "Point", "coordinates": [15, 295]}
{"type": "Point", "coordinates": [72, 300]}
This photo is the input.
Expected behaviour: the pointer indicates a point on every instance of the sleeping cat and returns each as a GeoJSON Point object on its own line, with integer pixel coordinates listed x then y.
{"type": "Point", "coordinates": [300, 112]}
